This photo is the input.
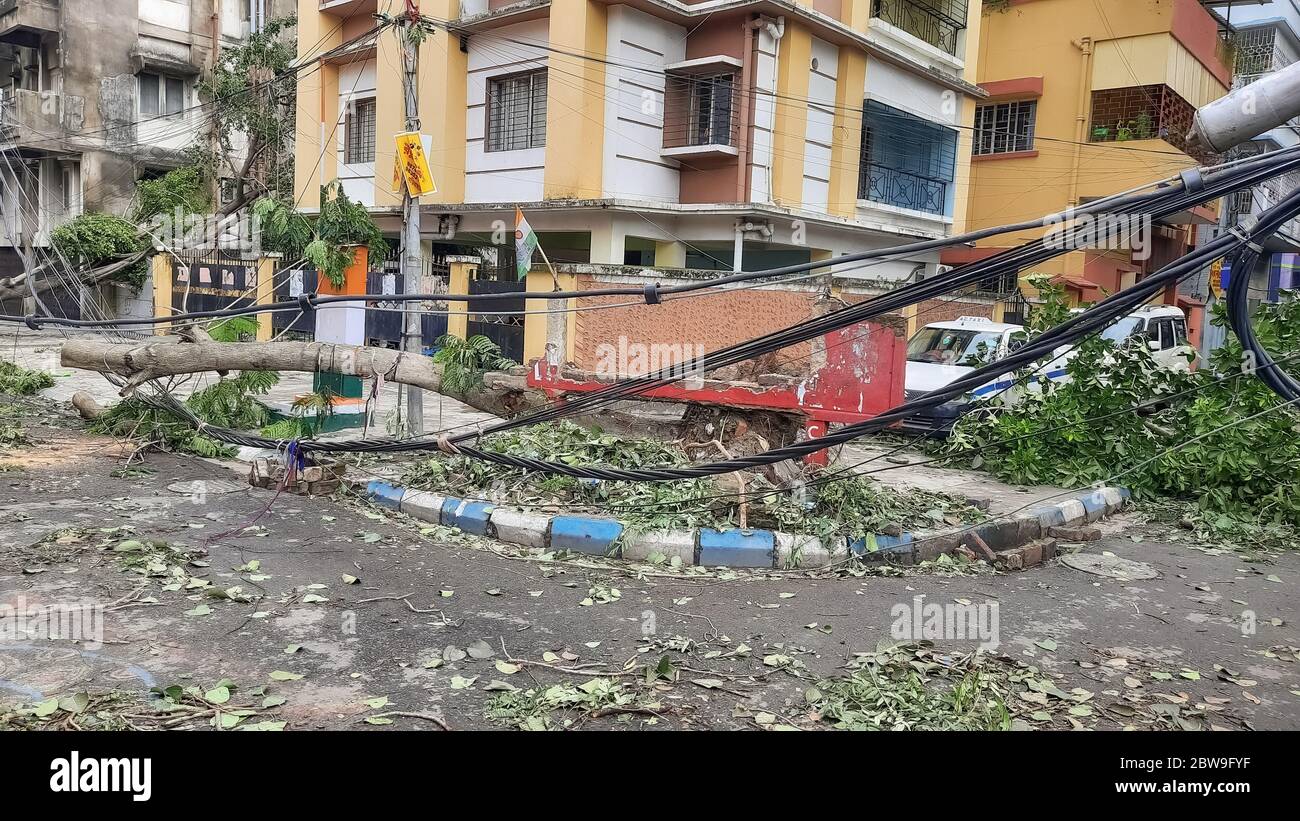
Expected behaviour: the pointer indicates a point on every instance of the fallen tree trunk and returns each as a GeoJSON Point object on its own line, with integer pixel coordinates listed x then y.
{"type": "Point", "coordinates": [141, 362]}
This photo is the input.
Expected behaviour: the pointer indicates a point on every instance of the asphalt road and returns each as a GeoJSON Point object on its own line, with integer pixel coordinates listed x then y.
{"type": "Point", "coordinates": [1210, 643]}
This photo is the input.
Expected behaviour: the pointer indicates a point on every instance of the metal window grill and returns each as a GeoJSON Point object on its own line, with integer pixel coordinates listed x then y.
{"type": "Point", "coordinates": [1002, 128]}
{"type": "Point", "coordinates": [937, 22]}
{"type": "Point", "coordinates": [517, 112]}
{"type": "Point", "coordinates": [360, 133]}
{"type": "Point", "coordinates": [700, 110]}
{"type": "Point", "coordinates": [907, 162]}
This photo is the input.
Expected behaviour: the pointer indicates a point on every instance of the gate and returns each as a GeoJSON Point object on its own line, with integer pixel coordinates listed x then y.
{"type": "Point", "coordinates": [506, 331]}
{"type": "Point", "coordinates": [213, 281]}
{"type": "Point", "coordinates": [1015, 309]}
{"type": "Point", "coordinates": [291, 283]}
{"type": "Point", "coordinates": [383, 327]}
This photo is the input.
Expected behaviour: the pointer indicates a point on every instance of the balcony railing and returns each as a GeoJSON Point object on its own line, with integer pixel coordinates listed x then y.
{"type": "Point", "coordinates": [902, 189]}
{"type": "Point", "coordinates": [937, 22]}
{"type": "Point", "coordinates": [39, 117]}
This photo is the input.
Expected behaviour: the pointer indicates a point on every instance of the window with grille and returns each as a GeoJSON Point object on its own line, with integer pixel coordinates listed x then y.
{"type": "Point", "coordinates": [907, 161]}
{"type": "Point", "coordinates": [517, 111]}
{"type": "Point", "coordinates": [161, 95]}
{"type": "Point", "coordinates": [710, 112]}
{"type": "Point", "coordinates": [359, 135]}
{"type": "Point", "coordinates": [1002, 128]}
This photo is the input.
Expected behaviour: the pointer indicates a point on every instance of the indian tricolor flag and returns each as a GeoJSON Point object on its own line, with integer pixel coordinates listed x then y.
{"type": "Point", "coordinates": [525, 244]}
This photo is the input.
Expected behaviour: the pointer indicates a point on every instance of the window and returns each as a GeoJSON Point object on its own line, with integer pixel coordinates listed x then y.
{"type": "Point", "coordinates": [1002, 128]}
{"type": "Point", "coordinates": [1165, 330]}
{"type": "Point", "coordinates": [907, 162]}
{"type": "Point", "coordinates": [359, 132]}
{"type": "Point", "coordinates": [710, 112]}
{"type": "Point", "coordinates": [161, 95]}
{"type": "Point", "coordinates": [517, 111]}
{"type": "Point", "coordinates": [1180, 332]}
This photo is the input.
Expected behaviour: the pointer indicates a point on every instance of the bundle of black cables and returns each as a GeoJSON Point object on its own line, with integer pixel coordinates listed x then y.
{"type": "Point", "coordinates": [1093, 320]}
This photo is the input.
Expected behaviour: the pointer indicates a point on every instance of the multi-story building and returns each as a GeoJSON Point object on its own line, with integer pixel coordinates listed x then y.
{"type": "Point", "coordinates": [96, 94]}
{"type": "Point", "coordinates": [1267, 40]}
{"type": "Point", "coordinates": [735, 135]}
{"type": "Point", "coordinates": [1088, 98]}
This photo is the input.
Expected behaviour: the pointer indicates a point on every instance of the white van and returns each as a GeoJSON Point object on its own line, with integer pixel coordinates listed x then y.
{"type": "Point", "coordinates": [942, 352]}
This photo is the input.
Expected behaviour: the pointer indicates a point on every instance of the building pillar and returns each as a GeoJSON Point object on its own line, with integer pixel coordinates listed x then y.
{"type": "Point", "coordinates": [551, 336]}
{"type": "Point", "coordinates": [443, 72]}
{"type": "Point", "coordinates": [575, 101]}
{"type": "Point", "coordinates": [265, 268]}
{"type": "Point", "coordinates": [790, 134]}
{"type": "Point", "coordinates": [460, 270]}
{"type": "Point", "coordinates": [846, 152]}
{"type": "Point", "coordinates": [318, 100]}
{"type": "Point", "coordinates": [160, 268]}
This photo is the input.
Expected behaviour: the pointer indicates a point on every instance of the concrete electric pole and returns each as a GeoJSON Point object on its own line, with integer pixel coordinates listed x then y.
{"type": "Point", "coordinates": [1249, 111]}
{"type": "Point", "coordinates": [412, 259]}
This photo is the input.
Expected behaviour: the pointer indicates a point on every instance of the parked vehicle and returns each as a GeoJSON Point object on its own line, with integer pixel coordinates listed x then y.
{"type": "Point", "coordinates": [942, 352]}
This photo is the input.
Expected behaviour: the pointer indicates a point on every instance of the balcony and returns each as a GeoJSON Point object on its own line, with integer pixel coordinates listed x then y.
{"type": "Point", "coordinates": [25, 22]}
{"type": "Point", "coordinates": [937, 22]}
{"type": "Point", "coordinates": [907, 162]}
{"type": "Point", "coordinates": [701, 103]}
{"type": "Point", "coordinates": [1152, 112]}
{"type": "Point", "coordinates": [39, 119]}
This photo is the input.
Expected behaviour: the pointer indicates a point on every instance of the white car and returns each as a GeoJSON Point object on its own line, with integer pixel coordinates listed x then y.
{"type": "Point", "coordinates": [942, 352]}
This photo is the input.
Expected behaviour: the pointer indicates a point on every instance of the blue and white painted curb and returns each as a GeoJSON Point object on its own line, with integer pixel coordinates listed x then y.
{"type": "Point", "coordinates": [733, 547]}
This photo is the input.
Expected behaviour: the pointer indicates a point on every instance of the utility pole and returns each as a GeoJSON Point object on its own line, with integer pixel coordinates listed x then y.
{"type": "Point", "coordinates": [412, 262]}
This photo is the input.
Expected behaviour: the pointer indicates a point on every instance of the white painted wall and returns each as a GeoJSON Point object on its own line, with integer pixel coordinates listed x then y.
{"type": "Point", "coordinates": [356, 82]}
{"type": "Point", "coordinates": [912, 93]}
{"type": "Point", "coordinates": [634, 105]}
{"type": "Point", "coordinates": [232, 18]}
{"type": "Point", "coordinates": [502, 176]}
{"type": "Point", "coordinates": [173, 14]}
{"type": "Point", "coordinates": [820, 132]}
{"type": "Point", "coordinates": [765, 66]}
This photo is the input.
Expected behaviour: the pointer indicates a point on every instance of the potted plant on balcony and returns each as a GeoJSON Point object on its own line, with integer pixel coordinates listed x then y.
{"type": "Point", "coordinates": [1144, 128]}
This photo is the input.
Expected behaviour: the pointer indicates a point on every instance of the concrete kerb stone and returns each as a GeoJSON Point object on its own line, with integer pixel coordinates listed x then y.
{"type": "Point", "coordinates": [734, 547]}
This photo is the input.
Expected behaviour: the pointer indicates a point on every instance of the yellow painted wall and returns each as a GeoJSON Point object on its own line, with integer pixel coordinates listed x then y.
{"type": "Point", "coordinates": [1030, 40]}
{"type": "Point", "coordinates": [575, 100]}
{"type": "Point", "coordinates": [442, 103]}
{"type": "Point", "coordinates": [1154, 59]}
{"type": "Point", "coordinates": [791, 127]}
{"type": "Point", "coordinates": [537, 326]}
{"type": "Point", "coordinates": [965, 137]}
{"type": "Point", "coordinates": [390, 112]}
{"type": "Point", "coordinates": [847, 146]}
{"type": "Point", "coordinates": [317, 103]}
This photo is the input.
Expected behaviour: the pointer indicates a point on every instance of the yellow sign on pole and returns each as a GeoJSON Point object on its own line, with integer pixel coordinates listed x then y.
{"type": "Point", "coordinates": [412, 165]}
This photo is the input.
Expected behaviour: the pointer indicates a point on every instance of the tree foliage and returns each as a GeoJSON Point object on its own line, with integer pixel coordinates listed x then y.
{"type": "Point", "coordinates": [1217, 436]}
{"type": "Point", "coordinates": [94, 240]}
{"type": "Point", "coordinates": [254, 93]}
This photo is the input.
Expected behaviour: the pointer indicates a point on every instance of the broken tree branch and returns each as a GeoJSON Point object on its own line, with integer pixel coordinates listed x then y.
{"type": "Point", "coordinates": [151, 360]}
